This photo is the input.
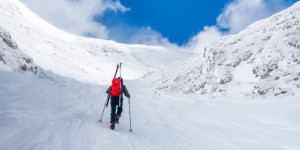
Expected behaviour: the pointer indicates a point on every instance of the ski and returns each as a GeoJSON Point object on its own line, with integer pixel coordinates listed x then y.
{"type": "Point", "coordinates": [108, 96]}
{"type": "Point", "coordinates": [120, 86]}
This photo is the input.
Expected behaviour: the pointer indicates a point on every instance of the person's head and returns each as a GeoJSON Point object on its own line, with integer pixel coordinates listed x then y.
{"type": "Point", "coordinates": [121, 80]}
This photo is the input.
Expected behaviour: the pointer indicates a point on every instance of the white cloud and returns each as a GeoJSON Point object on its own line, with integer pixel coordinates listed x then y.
{"type": "Point", "coordinates": [126, 33]}
{"type": "Point", "coordinates": [146, 35]}
{"type": "Point", "coordinates": [209, 36]}
{"type": "Point", "coordinates": [75, 16]}
{"type": "Point", "coordinates": [238, 14]}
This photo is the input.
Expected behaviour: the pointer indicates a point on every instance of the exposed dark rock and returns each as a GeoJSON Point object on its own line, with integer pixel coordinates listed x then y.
{"type": "Point", "coordinates": [247, 56]}
{"type": "Point", "coordinates": [237, 63]}
{"type": "Point", "coordinates": [262, 92]}
{"type": "Point", "coordinates": [294, 44]}
{"type": "Point", "coordinates": [2, 59]}
{"type": "Point", "coordinates": [6, 38]}
{"type": "Point", "coordinates": [267, 38]}
{"type": "Point", "coordinates": [23, 67]}
{"type": "Point", "coordinates": [225, 80]}
{"type": "Point", "coordinates": [28, 60]}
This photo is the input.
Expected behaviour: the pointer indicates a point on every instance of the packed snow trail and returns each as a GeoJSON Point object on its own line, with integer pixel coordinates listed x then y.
{"type": "Point", "coordinates": [61, 113]}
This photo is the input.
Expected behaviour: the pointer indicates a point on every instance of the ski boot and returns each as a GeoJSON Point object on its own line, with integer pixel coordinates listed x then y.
{"type": "Point", "coordinates": [118, 118]}
{"type": "Point", "coordinates": [112, 126]}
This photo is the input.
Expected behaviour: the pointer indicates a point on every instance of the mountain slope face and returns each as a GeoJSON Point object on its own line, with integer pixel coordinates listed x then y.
{"type": "Point", "coordinates": [263, 59]}
{"type": "Point", "coordinates": [84, 59]}
{"type": "Point", "coordinates": [12, 56]}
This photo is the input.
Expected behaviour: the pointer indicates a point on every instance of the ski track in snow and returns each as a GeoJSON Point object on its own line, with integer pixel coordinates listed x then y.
{"type": "Point", "coordinates": [64, 114]}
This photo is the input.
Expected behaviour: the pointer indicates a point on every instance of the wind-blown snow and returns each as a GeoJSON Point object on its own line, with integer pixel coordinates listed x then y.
{"type": "Point", "coordinates": [268, 49]}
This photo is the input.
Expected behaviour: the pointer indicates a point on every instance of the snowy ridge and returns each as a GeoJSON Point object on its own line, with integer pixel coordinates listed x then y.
{"type": "Point", "coordinates": [263, 59]}
{"type": "Point", "coordinates": [84, 59]}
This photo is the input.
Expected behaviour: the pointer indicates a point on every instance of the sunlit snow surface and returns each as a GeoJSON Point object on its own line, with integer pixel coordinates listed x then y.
{"type": "Point", "coordinates": [59, 106]}
{"type": "Point", "coordinates": [64, 114]}
{"type": "Point", "coordinates": [84, 59]}
{"type": "Point", "coordinates": [267, 53]}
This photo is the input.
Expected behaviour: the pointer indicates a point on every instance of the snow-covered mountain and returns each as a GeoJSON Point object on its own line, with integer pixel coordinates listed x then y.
{"type": "Point", "coordinates": [12, 56]}
{"type": "Point", "coordinates": [84, 59]}
{"type": "Point", "coordinates": [263, 59]}
{"type": "Point", "coordinates": [52, 90]}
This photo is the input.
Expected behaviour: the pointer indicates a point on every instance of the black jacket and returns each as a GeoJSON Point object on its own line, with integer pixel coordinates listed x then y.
{"type": "Point", "coordinates": [123, 90]}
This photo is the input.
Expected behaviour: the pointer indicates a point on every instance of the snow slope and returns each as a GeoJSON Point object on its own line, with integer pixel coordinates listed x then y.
{"type": "Point", "coordinates": [63, 114]}
{"type": "Point", "coordinates": [13, 57]}
{"type": "Point", "coordinates": [262, 60]}
{"type": "Point", "coordinates": [60, 107]}
{"type": "Point", "coordinates": [83, 59]}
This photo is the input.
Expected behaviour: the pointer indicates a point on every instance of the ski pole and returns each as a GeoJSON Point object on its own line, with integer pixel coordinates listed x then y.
{"type": "Point", "coordinates": [102, 113]}
{"type": "Point", "coordinates": [129, 114]}
{"type": "Point", "coordinates": [107, 100]}
{"type": "Point", "coordinates": [120, 86]}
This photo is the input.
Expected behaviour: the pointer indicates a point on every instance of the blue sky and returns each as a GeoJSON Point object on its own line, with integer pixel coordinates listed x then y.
{"type": "Point", "coordinates": [177, 20]}
{"type": "Point", "coordinates": [155, 22]}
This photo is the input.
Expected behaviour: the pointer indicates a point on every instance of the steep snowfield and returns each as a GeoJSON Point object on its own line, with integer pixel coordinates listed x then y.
{"type": "Point", "coordinates": [263, 59]}
{"type": "Point", "coordinates": [52, 92]}
{"type": "Point", "coordinates": [84, 59]}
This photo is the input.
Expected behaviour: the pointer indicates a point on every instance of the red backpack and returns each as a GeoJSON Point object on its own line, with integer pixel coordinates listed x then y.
{"type": "Point", "coordinates": [115, 87]}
